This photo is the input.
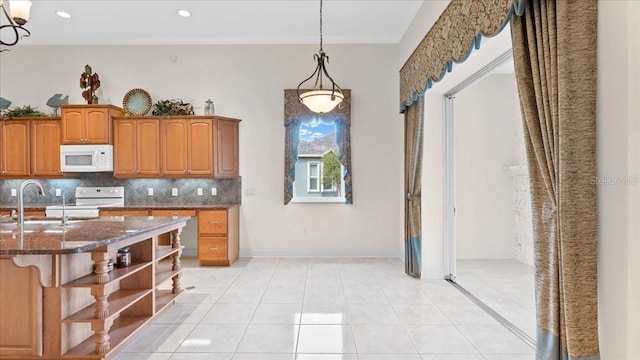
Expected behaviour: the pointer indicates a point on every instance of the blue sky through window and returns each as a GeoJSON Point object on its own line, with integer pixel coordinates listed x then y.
{"type": "Point", "coordinates": [315, 128]}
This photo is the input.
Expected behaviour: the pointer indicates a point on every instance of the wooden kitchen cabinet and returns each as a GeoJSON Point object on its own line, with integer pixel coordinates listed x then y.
{"type": "Point", "coordinates": [124, 212]}
{"type": "Point", "coordinates": [187, 146]}
{"type": "Point", "coordinates": [14, 148]}
{"type": "Point", "coordinates": [22, 338]}
{"type": "Point", "coordinates": [227, 163]}
{"type": "Point", "coordinates": [88, 124]}
{"type": "Point", "coordinates": [218, 236]}
{"type": "Point", "coordinates": [45, 147]}
{"type": "Point", "coordinates": [136, 147]}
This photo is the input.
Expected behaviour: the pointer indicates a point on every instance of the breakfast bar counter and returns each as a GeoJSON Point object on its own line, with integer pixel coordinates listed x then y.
{"type": "Point", "coordinates": [61, 295]}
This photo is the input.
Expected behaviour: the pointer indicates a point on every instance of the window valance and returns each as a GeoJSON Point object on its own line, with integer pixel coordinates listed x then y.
{"type": "Point", "coordinates": [458, 31]}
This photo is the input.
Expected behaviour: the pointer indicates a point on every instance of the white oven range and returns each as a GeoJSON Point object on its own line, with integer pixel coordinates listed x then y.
{"type": "Point", "coordinates": [88, 202]}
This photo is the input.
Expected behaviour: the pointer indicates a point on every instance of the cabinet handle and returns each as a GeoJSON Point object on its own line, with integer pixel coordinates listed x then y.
{"type": "Point", "coordinates": [214, 222]}
{"type": "Point", "coordinates": [213, 248]}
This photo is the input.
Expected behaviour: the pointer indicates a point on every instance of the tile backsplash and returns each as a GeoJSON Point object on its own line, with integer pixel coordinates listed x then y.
{"type": "Point", "coordinates": [136, 190]}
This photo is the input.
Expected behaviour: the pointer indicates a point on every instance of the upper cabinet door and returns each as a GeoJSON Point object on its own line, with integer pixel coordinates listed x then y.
{"type": "Point", "coordinates": [174, 147]}
{"type": "Point", "coordinates": [227, 163]}
{"type": "Point", "coordinates": [73, 126]}
{"type": "Point", "coordinates": [124, 148]}
{"type": "Point", "coordinates": [200, 147]}
{"type": "Point", "coordinates": [15, 152]}
{"type": "Point", "coordinates": [97, 126]}
{"type": "Point", "coordinates": [45, 147]}
{"type": "Point", "coordinates": [148, 147]}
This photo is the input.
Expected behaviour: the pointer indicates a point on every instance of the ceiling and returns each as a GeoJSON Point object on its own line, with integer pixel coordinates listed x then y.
{"type": "Point", "coordinates": [219, 22]}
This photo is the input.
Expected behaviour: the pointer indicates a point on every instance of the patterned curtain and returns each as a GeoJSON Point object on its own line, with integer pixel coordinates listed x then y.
{"type": "Point", "coordinates": [554, 48]}
{"type": "Point", "coordinates": [413, 135]}
{"type": "Point", "coordinates": [291, 142]}
{"type": "Point", "coordinates": [294, 113]}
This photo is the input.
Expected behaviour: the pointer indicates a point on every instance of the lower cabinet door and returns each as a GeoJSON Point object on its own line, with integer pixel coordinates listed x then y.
{"type": "Point", "coordinates": [212, 250]}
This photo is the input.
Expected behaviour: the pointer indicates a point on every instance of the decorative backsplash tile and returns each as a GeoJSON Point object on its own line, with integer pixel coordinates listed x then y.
{"type": "Point", "coordinates": [136, 190]}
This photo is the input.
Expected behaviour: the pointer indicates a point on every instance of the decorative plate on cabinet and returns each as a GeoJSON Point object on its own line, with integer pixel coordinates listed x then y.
{"type": "Point", "coordinates": [137, 102]}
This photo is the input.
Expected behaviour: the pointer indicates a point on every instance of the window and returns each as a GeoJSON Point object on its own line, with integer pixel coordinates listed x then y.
{"type": "Point", "coordinates": [317, 153]}
{"type": "Point", "coordinates": [313, 177]}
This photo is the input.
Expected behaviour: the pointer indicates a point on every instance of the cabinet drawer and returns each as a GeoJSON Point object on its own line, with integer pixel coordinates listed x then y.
{"type": "Point", "coordinates": [173, 212]}
{"type": "Point", "coordinates": [212, 248]}
{"type": "Point", "coordinates": [212, 222]}
{"type": "Point", "coordinates": [124, 212]}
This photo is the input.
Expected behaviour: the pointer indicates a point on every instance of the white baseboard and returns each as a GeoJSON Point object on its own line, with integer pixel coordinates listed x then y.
{"type": "Point", "coordinates": [356, 253]}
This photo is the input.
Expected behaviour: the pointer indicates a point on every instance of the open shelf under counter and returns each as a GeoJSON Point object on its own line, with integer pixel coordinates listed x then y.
{"type": "Point", "coordinates": [163, 252]}
{"type": "Point", "coordinates": [118, 302]}
{"type": "Point", "coordinates": [165, 298]}
{"type": "Point", "coordinates": [121, 330]}
{"type": "Point", "coordinates": [116, 274]}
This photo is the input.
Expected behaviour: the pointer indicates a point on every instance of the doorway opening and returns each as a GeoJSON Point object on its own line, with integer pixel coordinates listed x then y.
{"type": "Point", "coordinates": [488, 234]}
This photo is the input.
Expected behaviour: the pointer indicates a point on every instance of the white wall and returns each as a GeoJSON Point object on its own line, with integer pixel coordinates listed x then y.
{"type": "Point", "coordinates": [618, 155]}
{"type": "Point", "coordinates": [483, 119]}
{"type": "Point", "coordinates": [248, 82]}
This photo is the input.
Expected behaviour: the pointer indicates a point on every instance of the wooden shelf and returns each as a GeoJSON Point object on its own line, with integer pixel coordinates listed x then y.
{"type": "Point", "coordinates": [164, 251]}
{"type": "Point", "coordinates": [118, 302]}
{"type": "Point", "coordinates": [121, 330]}
{"type": "Point", "coordinates": [114, 275]}
{"type": "Point", "coordinates": [164, 298]}
{"type": "Point", "coordinates": [165, 275]}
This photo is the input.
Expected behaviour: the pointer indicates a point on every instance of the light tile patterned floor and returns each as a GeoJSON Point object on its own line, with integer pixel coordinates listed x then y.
{"type": "Point", "coordinates": [507, 286]}
{"type": "Point", "coordinates": [320, 309]}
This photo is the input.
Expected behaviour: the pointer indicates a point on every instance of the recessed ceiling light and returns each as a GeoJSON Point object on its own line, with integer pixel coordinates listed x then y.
{"type": "Point", "coordinates": [184, 13]}
{"type": "Point", "coordinates": [63, 14]}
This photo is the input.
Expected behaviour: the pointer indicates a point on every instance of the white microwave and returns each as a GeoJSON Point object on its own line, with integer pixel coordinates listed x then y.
{"type": "Point", "coordinates": [86, 158]}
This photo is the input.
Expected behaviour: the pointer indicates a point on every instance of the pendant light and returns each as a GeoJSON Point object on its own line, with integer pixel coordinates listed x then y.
{"type": "Point", "coordinates": [318, 99]}
{"type": "Point", "coordinates": [19, 10]}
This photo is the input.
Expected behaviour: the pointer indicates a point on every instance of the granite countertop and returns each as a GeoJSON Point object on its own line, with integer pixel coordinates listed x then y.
{"type": "Point", "coordinates": [168, 206]}
{"type": "Point", "coordinates": [49, 237]}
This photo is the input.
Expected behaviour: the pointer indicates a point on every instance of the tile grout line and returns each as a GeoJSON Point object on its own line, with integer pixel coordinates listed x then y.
{"type": "Point", "coordinates": [499, 318]}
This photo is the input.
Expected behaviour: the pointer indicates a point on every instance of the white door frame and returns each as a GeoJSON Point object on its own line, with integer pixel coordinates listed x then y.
{"type": "Point", "coordinates": [449, 181]}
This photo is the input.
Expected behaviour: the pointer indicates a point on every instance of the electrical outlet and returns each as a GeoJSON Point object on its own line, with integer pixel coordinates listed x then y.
{"type": "Point", "coordinates": [199, 192]}
{"type": "Point", "coordinates": [214, 191]}
{"type": "Point", "coordinates": [58, 192]}
{"type": "Point", "coordinates": [174, 191]}
{"type": "Point", "coordinates": [150, 191]}
{"type": "Point", "coordinates": [14, 192]}
{"type": "Point", "coordinates": [249, 192]}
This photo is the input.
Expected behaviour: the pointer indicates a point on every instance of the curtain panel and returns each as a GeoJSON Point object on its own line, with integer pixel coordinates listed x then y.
{"type": "Point", "coordinates": [452, 38]}
{"type": "Point", "coordinates": [294, 114]}
{"type": "Point", "coordinates": [554, 48]}
{"type": "Point", "coordinates": [413, 144]}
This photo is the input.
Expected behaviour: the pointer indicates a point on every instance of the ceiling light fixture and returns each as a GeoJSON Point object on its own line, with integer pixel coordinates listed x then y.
{"type": "Point", "coordinates": [19, 16]}
{"type": "Point", "coordinates": [318, 99]}
{"type": "Point", "coordinates": [63, 14]}
{"type": "Point", "coordinates": [184, 13]}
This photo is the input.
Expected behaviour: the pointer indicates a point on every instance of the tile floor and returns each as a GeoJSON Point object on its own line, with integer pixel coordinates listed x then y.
{"type": "Point", "coordinates": [321, 309]}
{"type": "Point", "coordinates": [507, 286]}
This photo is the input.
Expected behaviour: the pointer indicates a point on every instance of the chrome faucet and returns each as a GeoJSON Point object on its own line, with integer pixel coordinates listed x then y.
{"type": "Point", "coordinates": [64, 216]}
{"type": "Point", "coordinates": [21, 198]}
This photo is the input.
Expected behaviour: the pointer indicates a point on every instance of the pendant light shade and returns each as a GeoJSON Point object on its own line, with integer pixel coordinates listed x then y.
{"type": "Point", "coordinates": [16, 18]}
{"type": "Point", "coordinates": [318, 99]}
{"type": "Point", "coordinates": [321, 101]}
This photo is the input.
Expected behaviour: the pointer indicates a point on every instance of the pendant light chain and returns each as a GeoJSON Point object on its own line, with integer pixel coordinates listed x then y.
{"type": "Point", "coordinates": [319, 100]}
{"type": "Point", "coordinates": [320, 25]}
